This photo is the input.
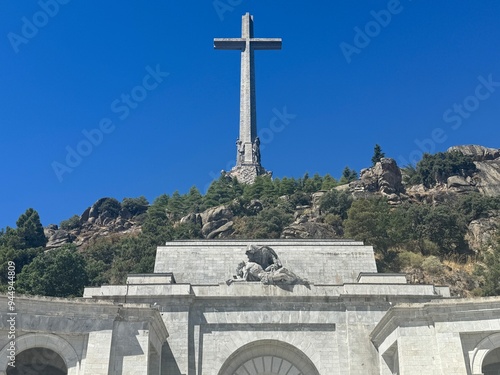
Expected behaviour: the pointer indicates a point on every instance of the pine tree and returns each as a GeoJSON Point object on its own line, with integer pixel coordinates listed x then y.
{"type": "Point", "coordinates": [193, 200]}
{"type": "Point", "coordinates": [348, 175]}
{"type": "Point", "coordinates": [328, 182]}
{"type": "Point", "coordinates": [29, 230]}
{"type": "Point", "coordinates": [377, 154]}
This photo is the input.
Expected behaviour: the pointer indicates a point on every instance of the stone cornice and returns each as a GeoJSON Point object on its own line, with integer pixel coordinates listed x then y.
{"type": "Point", "coordinates": [82, 315]}
{"type": "Point", "coordinates": [429, 313]}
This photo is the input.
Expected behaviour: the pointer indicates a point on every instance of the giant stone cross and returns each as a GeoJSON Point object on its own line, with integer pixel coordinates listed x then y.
{"type": "Point", "coordinates": [248, 145]}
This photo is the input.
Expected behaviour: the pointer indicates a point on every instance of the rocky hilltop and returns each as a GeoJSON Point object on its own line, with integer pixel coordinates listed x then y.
{"type": "Point", "coordinates": [385, 179]}
{"type": "Point", "coordinates": [102, 219]}
{"type": "Point", "coordinates": [303, 211]}
{"type": "Point", "coordinates": [487, 160]}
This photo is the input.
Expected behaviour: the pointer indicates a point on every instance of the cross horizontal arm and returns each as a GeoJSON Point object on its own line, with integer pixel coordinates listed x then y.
{"type": "Point", "coordinates": [266, 43]}
{"type": "Point", "coordinates": [229, 43]}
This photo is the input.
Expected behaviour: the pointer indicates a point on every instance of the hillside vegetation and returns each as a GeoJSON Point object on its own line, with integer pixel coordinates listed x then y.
{"type": "Point", "coordinates": [436, 222]}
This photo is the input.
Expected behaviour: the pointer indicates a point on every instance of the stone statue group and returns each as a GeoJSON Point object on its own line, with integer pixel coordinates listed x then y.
{"type": "Point", "coordinates": [240, 155]}
{"type": "Point", "coordinates": [264, 265]}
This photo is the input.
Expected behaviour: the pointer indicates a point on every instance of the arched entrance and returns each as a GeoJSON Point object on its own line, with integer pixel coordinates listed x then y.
{"type": "Point", "coordinates": [491, 363]}
{"type": "Point", "coordinates": [42, 342]}
{"type": "Point", "coordinates": [268, 357]}
{"type": "Point", "coordinates": [486, 356]}
{"type": "Point", "coordinates": [38, 361]}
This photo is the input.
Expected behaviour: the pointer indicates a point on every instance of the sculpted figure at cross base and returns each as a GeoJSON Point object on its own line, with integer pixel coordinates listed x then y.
{"type": "Point", "coordinates": [264, 265]}
{"type": "Point", "coordinates": [256, 151]}
{"type": "Point", "coordinates": [240, 152]}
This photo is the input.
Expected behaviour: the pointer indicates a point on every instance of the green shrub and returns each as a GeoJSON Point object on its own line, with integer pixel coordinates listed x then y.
{"type": "Point", "coordinates": [135, 206]}
{"type": "Point", "coordinates": [475, 205]}
{"type": "Point", "coordinates": [333, 220]}
{"type": "Point", "coordinates": [110, 207]}
{"type": "Point", "coordinates": [336, 202]}
{"type": "Point", "coordinates": [489, 269]}
{"type": "Point", "coordinates": [434, 169]}
{"type": "Point", "coordinates": [72, 223]}
{"type": "Point", "coordinates": [269, 223]}
{"type": "Point", "coordinates": [368, 220]}
{"type": "Point", "coordinates": [58, 273]}
{"type": "Point", "coordinates": [410, 259]}
{"type": "Point", "coordinates": [432, 265]}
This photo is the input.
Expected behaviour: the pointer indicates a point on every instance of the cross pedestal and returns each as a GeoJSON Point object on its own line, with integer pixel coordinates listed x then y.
{"type": "Point", "coordinates": [248, 164]}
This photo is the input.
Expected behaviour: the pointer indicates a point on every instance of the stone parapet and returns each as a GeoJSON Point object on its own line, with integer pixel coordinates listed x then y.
{"type": "Point", "coordinates": [258, 290]}
{"type": "Point", "coordinates": [330, 262]}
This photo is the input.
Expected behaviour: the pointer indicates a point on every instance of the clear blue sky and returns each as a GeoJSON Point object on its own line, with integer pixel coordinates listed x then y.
{"type": "Point", "coordinates": [353, 73]}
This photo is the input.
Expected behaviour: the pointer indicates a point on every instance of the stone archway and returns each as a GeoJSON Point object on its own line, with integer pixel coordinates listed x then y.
{"type": "Point", "coordinates": [491, 363]}
{"type": "Point", "coordinates": [39, 361]}
{"type": "Point", "coordinates": [486, 356]}
{"type": "Point", "coordinates": [43, 341]}
{"type": "Point", "coordinates": [268, 357]}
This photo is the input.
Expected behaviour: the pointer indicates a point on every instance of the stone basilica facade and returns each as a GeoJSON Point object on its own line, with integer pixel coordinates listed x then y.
{"type": "Point", "coordinates": [273, 307]}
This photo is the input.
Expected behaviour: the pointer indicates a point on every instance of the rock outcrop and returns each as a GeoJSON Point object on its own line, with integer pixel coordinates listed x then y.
{"type": "Point", "coordinates": [481, 232]}
{"type": "Point", "coordinates": [58, 237]}
{"type": "Point", "coordinates": [487, 160]}
{"type": "Point", "coordinates": [309, 229]}
{"type": "Point", "coordinates": [436, 195]}
{"type": "Point", "coordinates": [103, 218]}
{"type": "Point", "coordinates": [485, 181]}
{"type": "Point", "coordinates": [316, 202]}
{"type": "Point", "coordinates": [478, 153]}
{"type": "Point", "coordinates": [384, 178]}
{"type": "Point", "coordinates": [215, 222]}
{"type": "Point", "coordinates": [459, 184]}
{"type": "Point", "coordinates": [309, 223]}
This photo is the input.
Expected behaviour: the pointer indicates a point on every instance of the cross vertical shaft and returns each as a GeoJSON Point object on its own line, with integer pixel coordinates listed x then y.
{"type": "Point", "coordinates": [248, 109]}
{"type": "Point", "coordinates": [248, 144]}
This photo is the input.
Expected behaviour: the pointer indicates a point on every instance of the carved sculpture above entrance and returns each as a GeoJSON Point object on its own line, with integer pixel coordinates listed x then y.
{"type": "Point", "coordinates": [264, 265]}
